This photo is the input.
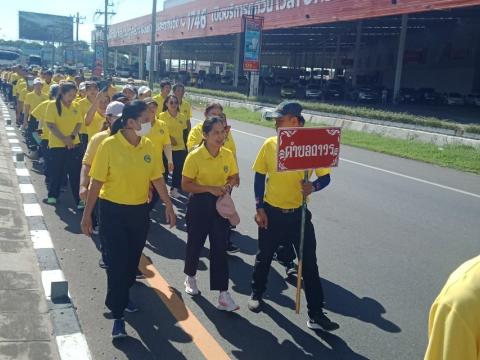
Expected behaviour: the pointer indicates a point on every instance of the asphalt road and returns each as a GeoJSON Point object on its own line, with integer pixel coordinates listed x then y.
{"type": "Point", "coordinates": [389, 232]}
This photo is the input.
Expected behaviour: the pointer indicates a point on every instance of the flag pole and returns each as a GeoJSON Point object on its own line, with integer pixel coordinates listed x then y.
{"type": "Point", "coordinates": [300, 248]}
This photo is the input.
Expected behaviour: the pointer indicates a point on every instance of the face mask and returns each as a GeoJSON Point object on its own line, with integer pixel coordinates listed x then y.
{"type": "Point", "coordinates": [144, 130]}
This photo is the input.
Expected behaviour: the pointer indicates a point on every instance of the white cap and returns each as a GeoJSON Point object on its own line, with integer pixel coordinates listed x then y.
{"type": "Point", "coordinates": [129, 87]}
{"type": "Point", "coordinates": [143, 89]}
{"type": "Point", "coordinates": [37, 81]}
{"type": "Point", "coordinates": [82, 86]}
{"type": "Point", "coordinates": [115, 108]}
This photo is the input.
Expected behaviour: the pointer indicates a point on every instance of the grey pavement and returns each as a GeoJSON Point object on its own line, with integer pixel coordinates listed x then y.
{"type": "Point", "coordinates": [25, 325]}
{"type": "Point", "coordinates": [386, 244]}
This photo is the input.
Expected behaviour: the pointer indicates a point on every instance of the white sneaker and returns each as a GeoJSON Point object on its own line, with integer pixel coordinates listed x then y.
{"type": "Point", "coordinates": [191, 285]}
{"type": "Point", "coordinates": [226, 303]}
{"type": "Point", "coordinates": [174, 193]}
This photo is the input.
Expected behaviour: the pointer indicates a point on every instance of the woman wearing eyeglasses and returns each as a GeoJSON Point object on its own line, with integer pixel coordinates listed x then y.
{"type": "Point", "coordinates": [177, 124]}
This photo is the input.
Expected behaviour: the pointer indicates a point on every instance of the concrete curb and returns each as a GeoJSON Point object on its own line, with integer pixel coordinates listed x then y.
{"type": "Point", "coordinates": [364, 125]}
{"type": "Point", "coordinates": [70, 340]}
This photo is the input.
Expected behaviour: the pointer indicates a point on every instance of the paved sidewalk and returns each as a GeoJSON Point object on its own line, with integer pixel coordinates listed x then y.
{"type": "Point", "coordinates": [26, 330]}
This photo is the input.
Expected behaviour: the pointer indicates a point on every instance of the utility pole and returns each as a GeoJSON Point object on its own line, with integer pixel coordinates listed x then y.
{"type": "Point", "coordinates": [77, 19]}
{"type": "Point", "coordinates": [152, 45]}
{"type": "Point", "coordinates": [105, 35]}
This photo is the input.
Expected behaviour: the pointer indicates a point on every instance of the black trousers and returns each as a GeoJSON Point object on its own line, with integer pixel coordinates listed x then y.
{"type": "Point", "coordinates": [203, 220]}
{"type": "Point", "coordinates": [178, 158]}
{"type": "Point", "coordinates": [284, 227]}
{"type": "Point", "coordinates": [83, 143]}
{"type": "Point", "coordinates": [31, 128]}
{"type": "Point", "coordinates": [63, 161]}
{"type": "Point", "coordinates": [124, 229]}
{"type": "Point", "coordinates": [45, 154]}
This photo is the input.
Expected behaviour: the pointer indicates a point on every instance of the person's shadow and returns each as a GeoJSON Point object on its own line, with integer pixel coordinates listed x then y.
{"type": "Point", "coordinates": [260, 343]}
{"type": "Point", "coordinates": [156, 327]}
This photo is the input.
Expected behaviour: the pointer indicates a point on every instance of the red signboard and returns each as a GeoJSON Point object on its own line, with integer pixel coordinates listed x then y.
{"type": "Point", "coordinates": [308, 148]}
{"type": "Point", "coordinates": [202, 18]}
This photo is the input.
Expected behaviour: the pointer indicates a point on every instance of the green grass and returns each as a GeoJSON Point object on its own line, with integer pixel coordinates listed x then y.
{"type": "Point", "coordinates": [358, 111]}
{"type": "Point", "coordinates": [458, 157]}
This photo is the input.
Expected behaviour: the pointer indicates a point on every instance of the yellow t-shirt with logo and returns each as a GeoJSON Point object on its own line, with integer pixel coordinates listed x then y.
{"type": "Point", "coordinates": [159, 99]}
{"type": "Point", "coordinates": [159, 136]}
{"type": "Point", "coordinates": [66, 122]}
{"type": "Point", "coordinates": [195, 137]}
{"type": "Point", "coordinates": [39, 112]}
{"type": "Point", "coordinates": [283, 189]}
{"type": "Point", "coordinates": [46, 88]}
{"type": "Point", "coordinates": [33, 100]}
{"type": "Point", "coordinates": [176, 127]}
{"type": "Point", "coordinates": [207, 170]}
{"type": "Point", "coordinates": [186, 109]}
{"type": "Point", "coordinates": [454, 321]}
{"type": "Point", "coordinates": [22, 93]}
{"type": "Point", "coordinates": [96, 125]}
{"type": "Point", "coordinates": [92, 147]}
{"type": "Point", "coordinates": [125, 170]}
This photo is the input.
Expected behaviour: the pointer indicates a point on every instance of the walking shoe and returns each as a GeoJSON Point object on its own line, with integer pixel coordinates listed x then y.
{"type": "Point", "coordinates": [226, 303]}
{"type": "Point", "coordinates": [95, 230]}
{"type": "Point", "coordinates": [290, 268]}
{"type": "Point", "coordinates": [102, 264]}
{"type": "Point", "coordinates": [255, 302]}
{"type": "Point", "coordinates": [139, 275]}
{"type": "Point", "coordinates": [191, 285]}
{"type": "Point", "coordinates": [321, 322]}
{"type": "Point", "coordinates": [118, 331]}
{"type": "Point", "coordinates": [174, 193]}
{"type": "Point", "coordinates": [131, 307]}
{"type": "Point", "coordinates": [51, 201]}
{"type": "Point", "coordinates": [81, 205]}
{"type": "Point", "coordinates": [232, 248]}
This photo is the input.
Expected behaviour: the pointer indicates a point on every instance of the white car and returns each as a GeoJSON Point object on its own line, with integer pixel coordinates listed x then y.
{"type": "Point", "coordinates": [473, 99]}
{"type": "Point", "coordinates": [454, 99]}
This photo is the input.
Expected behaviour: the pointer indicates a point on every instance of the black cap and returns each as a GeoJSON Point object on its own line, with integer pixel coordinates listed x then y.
{"type": "Point", "coordinates": [118, 96]}
{"type": "Point", "coordinates": [287, 108]}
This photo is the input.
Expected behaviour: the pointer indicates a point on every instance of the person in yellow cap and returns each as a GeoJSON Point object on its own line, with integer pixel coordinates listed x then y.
{"type": "Point", "coordinates": [210, 172]}
{"type": "Point", "coordinates": [279, 198]}
{"type": "Point", "coordinates": [453, 324]}
{"type": "Point", "coordinates": [124, 166]}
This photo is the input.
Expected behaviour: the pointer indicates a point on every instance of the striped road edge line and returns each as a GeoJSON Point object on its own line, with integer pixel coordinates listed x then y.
{"type": "Point", "coordinates": [70, 340]}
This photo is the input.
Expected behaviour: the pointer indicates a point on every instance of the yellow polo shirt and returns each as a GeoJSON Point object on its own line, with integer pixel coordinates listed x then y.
{"type": "Point", "coordinates": [83, 106]}
{"type": "Point", "coordinates": [176, 126]}
{"type": "Point", "coordinates": [22, 92]}
{"type": "Point", "coordinates": [454, 322]}
{"type": "Point", "coordinates": [125, 170]}
{"type": "Point", "coordinates": [96, 125]}
{"type": "Point", "coordinates": [33, 100]}
{"type": "Point", "coordinates": [186, 109]}
{"type": "Point", "coordinates": [92, 147]}
{"type": "Point", "coordinates": [46, 88]}
{"type": "Point", "coordinates": [207, 170]}
{"type": "Point", "coordinates": [159, 99]}
{"type": "Point", "coordinates": [283, 188]}
{"type": "Point", "coordinates": [39, 112]}
{"type": "Point", "coordinates": [159, 136]}
{"type": "Point", "coordinates": [66, 122]}
{"type": "Point", "coordinates": [195, 137]}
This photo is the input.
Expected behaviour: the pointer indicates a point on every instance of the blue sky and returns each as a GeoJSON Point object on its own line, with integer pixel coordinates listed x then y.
{"type": "Point", "coordinates": [125, 9]}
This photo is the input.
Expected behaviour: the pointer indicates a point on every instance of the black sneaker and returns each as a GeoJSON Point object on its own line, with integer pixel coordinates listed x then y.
{"type": "Point", "coordinates": [102, 264]}
{"type": "Point", "coordinates": [321, 322]}
{"type": "Point", "coordinates": [139, 275]}
{"type": "Point", "coordinates": [131, 307]}
{"type": "Point", "coordinates": [232, 248]}
{"type": "Point", "coordinates": [290, 268]}
{"type": "Point", "coordinates": [118, 331]}
{"type": "Point", "coordinates": [255, 303]}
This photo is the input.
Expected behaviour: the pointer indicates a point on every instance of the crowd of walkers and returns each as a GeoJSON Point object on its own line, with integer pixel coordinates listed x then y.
{"type": "Point", "coordinates": [122, 149]}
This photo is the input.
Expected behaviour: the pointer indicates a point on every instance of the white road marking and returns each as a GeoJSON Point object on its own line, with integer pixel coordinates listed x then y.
{"type": "Point", "coordinates": [41, 239]}
{"type": "Point", "coordinates": [49, 276]}
{"type": "Point", "coordinates": [73, 347]}
{"type": "Point", "coordinates": [11, 134]}
{"type": "Point", "coordinates": [32, 210]}
{"type": "Point", "coordinates": [26, 189]}
{"type": "Point", "coordinates": [9, 128]}
{"type": "Point", "coordinates": [22, 172]}
{"type": "Point", "coordinates": [17, 149]}
{"type": "Point", "coordinates": [13, 141]}
{"type": "Point", "coordinates": [423, 181]}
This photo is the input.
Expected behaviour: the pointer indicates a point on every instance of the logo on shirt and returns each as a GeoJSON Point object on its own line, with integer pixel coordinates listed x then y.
{"type": "Point", "coordinates": [147, 158]}
{"type": "Point", "coordinates": [162, 132]}
{"type": "Point", "coordinates": [225, 168]}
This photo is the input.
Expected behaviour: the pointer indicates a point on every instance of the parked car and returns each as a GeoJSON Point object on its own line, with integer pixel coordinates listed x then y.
{"type": "Point", "coordinates": [288, 91]}
{"type": "Point", "coordinates": [123, 72]}
{"type": "Point", "coordinates": [313, 91]}
{"type": "Point", "coordinates": [428, 96]}
{"type": "Point", "coordinates": [408, 95]}
{"type": "Point", "coordinates": [365, 94]}
{"type": "Point", "coordinates": [334, 91]}
{"type": "Point", "coordinates": [473, 99]}
{"type": "Point", "coordinates": [453, 99]}
{"type": "Point", "coordinates": [226, 80]}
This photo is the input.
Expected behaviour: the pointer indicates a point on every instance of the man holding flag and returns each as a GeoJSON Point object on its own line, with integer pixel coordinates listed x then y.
{"type": "Point", "coordinates": [279, 218]}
